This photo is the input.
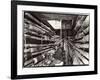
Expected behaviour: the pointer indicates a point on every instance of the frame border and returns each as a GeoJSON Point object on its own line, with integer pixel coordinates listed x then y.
{"type": "Point", "coordinates": [14, 39]}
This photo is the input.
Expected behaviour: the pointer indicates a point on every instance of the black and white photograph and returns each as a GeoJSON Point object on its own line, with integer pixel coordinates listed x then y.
{"type": "Point", "coordinates": [55, 39]}
{"type": "Point", "coordinates": [52, 39]}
